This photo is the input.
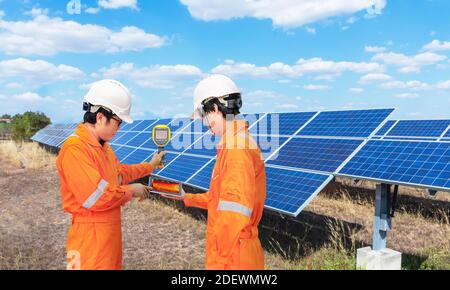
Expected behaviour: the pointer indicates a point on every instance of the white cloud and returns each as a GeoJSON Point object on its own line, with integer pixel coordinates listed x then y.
{"type": "Point", "coordinates": [32, 97]}
{"type": "Point", "coordinates": [2, 14]}
{"type": "Point", "coordinates": [286, 106]}
{"type": "Point", "coordinates": [92, 10]}
{"type": "Point", "coordinates": [155, 76]}
{"type": "Point", "coordinates": [356, 90]}
{"type": "Point", "coordinates": [374, 77]}
{"type": "Point", "coordinates": [407, 96]}
{"type": "Point", "coordinates": [437, 45]}
{"type": "Point", "coordinates": [311, 30]}
{"type": "Point", "coordinates": [283, 13]}
{"type": "Point", "coordinates": [263, 95]}
{"type": "Point", "coordinates": [444, 85]}
{"type": "Point", "coordinates": [408, 64]}
{"type": "Point", "coordinates": [37, 72]}
{"type": "Point", "coordinates": [375, 49]}
{"type": "Point", "coordinates": [116, 4]}
{"type": "Point", "coordinates": [413, 85]}
{"type": "Point", "coordinates": [301, 67]}
{"type": "Point", "coordinates": [43, 35]}
{"type": "Point", "coordinates": [311, 87]}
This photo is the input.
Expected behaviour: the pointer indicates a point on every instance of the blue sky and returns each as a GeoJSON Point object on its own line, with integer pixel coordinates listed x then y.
{"type": "Point", "coordinates": [286, 55]}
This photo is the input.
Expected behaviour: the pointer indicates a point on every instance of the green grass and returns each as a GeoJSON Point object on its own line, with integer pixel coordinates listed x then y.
{"type": "Point", "coordinates": [430, 259]}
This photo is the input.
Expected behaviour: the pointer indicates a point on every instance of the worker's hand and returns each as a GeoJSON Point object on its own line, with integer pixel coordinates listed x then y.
{"type": "Point", "coordinates": [140, 191]}
{"type": "Point", "coordinates": [156, 160]}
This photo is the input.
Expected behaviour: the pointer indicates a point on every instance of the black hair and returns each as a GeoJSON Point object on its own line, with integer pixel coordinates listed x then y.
{"type": "Point", "coordinates": [234, 104]}
{"type": "Point", "coordinates": [91, 118]}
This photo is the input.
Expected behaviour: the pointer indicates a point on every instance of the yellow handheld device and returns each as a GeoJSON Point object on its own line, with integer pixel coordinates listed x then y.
{"type": "Point", "coordinates": [161, 138]}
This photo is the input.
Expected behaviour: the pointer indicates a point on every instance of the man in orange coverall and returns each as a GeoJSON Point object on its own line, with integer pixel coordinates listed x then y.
{"type": "Point", "coordinates": [94, 185]}
{"type": "Point", "coordinates": [237, 192]}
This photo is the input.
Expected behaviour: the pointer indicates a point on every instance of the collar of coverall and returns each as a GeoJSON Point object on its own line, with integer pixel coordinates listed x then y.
{"type": "Point", "coordinates": [86, 135]}
{"type": "Point", "coordinates": [235, 127]}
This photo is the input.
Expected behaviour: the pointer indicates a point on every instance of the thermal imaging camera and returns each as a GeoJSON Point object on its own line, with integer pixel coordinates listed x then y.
{"type": "Point", "coordinates": [161, 138]}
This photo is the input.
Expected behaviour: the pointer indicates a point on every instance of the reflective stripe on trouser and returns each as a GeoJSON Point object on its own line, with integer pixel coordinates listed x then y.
{"type": "Point", "coordinates": [96, 194]}
{"type": "Point", "coordinates": [234, 207]}
{"type": "Point", "coordinates": [99, 245]}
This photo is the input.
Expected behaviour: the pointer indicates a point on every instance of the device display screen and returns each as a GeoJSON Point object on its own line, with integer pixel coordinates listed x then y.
{"type": "Point", "coordinates": [161, 134]}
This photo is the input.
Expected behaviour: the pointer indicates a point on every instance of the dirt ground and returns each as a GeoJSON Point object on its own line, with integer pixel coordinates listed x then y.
{"type": "Point", "coordinates": [33, 227]}
{"type": "Point", "coordinates": [157, 235]}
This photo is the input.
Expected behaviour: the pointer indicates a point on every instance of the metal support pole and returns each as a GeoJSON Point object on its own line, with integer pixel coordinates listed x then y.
{"type": "Point", "coordinates": [382, 221]}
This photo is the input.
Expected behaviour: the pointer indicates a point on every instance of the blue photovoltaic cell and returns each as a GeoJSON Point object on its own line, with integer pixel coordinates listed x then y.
{"type": "Point", "coordinates": [281, 123]}
{"type": "Point", "coordinates": [123, 152]}
{"type": "Point", "coordinates": [135, 123]}
{"type": "Point", "coordinates": [205, 146]}
{"type": "Point", "coordinates": [385, 128]}
{"type": "Point", "coordinates": [447, 135]}
{"type": "Point", "coordinates": [203, 178]}
{"type": "Point", "coordinates": [315, 154]}
{"type": "Point", "coordinates": [117, 136]}
{"type": "Point", "coordinates": [406, 162]}
{"type": "Point", "coordinates": [125, 138]}
{"type": "Point", "coordinates": [269, 144]}
{"type": "Point", "coordinates": [140, 139]}
{"type": "Point", "coordinates": [288, 190]}
{"type": "Point", "coordinates": [196, 127]}
{"type": "Point", "coordinates": [346, 123]}
{"type": "Point", "coordinates": [420, 128]}
{"type": "Point", "coordinates": [143, 125]}
{"type": "Point", "coordinates": [409, 138]}
{"type": "Point", "coordinates": [126, 126]}
{"type": "Point", "coordinates": [114, 147]}
{"type": "Point", "coordinates": [183, 167]}
{"type": "Point", "coordinates": [138, 156]}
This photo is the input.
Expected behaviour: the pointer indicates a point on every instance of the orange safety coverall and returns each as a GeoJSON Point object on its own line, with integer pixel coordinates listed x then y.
{"type": "Point", "coordinates": [235, 203]}
{"type": "Point", "coordinates": [94, 187]}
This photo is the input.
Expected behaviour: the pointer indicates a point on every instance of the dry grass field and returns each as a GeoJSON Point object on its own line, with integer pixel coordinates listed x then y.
{"type": "Point", "coordinates": [160, 234]}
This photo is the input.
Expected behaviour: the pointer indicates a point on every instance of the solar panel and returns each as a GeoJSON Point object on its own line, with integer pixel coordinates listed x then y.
{"type": "Point", "coordinates": [415, 163]}
{"type": "Point", "coordinates": [123, 152]}
{"type": "Point", "coordinates": [182, 168]}
{"type": "Point", "coordinates": [285, 124]}
{"type": "Point", "coordinates": [126, 127]}
{"type": "Point", "coordinates": [385, 128]}
{"type": "Point", "coordinates": [117, 136]}
{"type": "Point", "coordinates": [346, 123]}
{"type": "Point", "coordinates": [138, 156]}
{"type": "Point", "coordinates": [315, 154]}
{"type": "Point", "coordinates": [142, 126]}
{"type": "Point", "coordinates": [140, 139]}
{"type": "Point", "coordinates": [125, 138]}
{"type": "Point", "coordinates": [420, 128]}
{"type": "Point", "coordinates": [289, 191]}
{"type": "Point", "coordinates": [203, 177]}
{"type": "Point", "coordinates": [447, 135]}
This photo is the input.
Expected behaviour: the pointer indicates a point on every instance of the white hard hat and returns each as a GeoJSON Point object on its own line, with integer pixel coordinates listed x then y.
{"type": "Point", "coordinates": [112, 95]}
{"type": "Point", "coordinates": [213, 86]}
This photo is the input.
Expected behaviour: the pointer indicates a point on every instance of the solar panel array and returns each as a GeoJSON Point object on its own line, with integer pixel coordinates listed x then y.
{"type": "Point", "coordinates": [54, 135]}
{"type": "Point", "coordinates": [302, 151]}
{"type": "Point", "coordinates": [416, 163]}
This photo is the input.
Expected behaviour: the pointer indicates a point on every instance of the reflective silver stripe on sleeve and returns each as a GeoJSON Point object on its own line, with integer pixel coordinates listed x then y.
{"type": "Point", "coordinates": [234, 207]}
{"type": "Point", "coordinates": [74, 135]}
{"type": "Point", "coordinates": [120, 179]}
{"type": "Point", "coordinates": [95, 195]}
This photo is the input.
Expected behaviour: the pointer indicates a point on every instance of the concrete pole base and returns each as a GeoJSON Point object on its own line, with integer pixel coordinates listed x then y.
{"type": "Point", "coordinates": [387, 259]}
